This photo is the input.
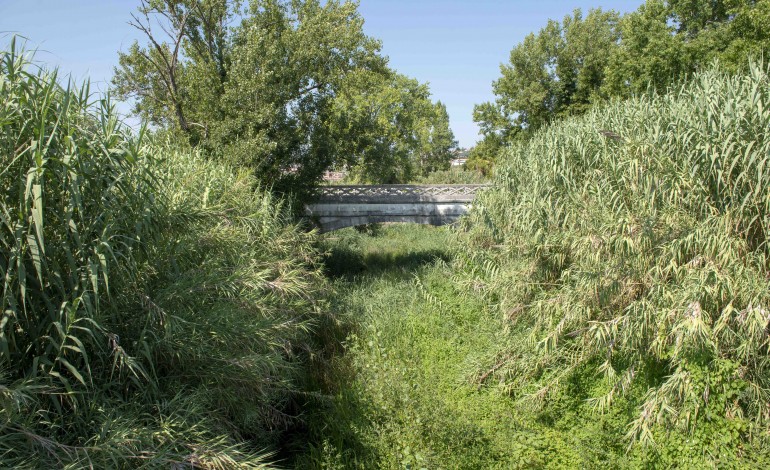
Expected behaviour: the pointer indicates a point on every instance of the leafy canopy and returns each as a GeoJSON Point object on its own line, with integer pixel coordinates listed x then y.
{"type": "Point", "coordinates": [295, 88]}
{"type": "Point", "coordinates": [554, 73]}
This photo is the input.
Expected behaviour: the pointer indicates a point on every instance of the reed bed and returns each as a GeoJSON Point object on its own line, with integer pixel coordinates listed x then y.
{"type": "Point", "coordinates": [630, 246]}
{"type": "Point", "coordinates": [157, 309]}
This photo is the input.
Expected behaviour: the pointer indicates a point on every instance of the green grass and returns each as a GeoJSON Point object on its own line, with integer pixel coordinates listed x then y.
{"type": "Point", "coordinates": [408, 389]}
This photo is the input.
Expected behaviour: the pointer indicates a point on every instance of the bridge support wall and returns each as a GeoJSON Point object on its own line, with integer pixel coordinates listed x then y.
{"type": "Point", "coordinates": [346, 206]}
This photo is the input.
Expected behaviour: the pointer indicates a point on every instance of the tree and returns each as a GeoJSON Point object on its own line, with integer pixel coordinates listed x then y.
{"type": "Point", "coordinates": [387, 128]}
{"type": "Point", "coordinates": [567, 67]}
{"type": "Point", "coordinates": [665, 42]}
{"type": "Point", "coordinates": [272, 93]}
{"type": "Point", "coordinates": [650, 53]}
{"type": "Point", "coordinates": [484, 154]}
{"type": "Point", "coordinates": [557, 72]}
{"type": "Point", "coordinates": [290, 61]}
{"type": "Point", "coordinates": [749, 31]}
{"type": "Point", "coordinates": [188, 57]}
{"type": "Point", "coordinates": [693, 16]}
{"type": "Point", "coordinates": [438, 141]}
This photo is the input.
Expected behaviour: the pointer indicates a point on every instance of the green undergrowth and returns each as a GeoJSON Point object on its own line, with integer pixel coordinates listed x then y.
{"type": "Point", "coordinates": [409, 388]}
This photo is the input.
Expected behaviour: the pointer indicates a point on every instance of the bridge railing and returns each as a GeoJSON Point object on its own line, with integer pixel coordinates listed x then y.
{"type": "Point", "coordinates": [398, 193]}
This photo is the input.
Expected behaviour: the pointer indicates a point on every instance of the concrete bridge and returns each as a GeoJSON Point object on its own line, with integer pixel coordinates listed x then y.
{"type": "Point", "coordinates": [346, 206]}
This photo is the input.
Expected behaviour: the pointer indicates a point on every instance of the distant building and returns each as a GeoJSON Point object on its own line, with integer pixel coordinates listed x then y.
{"type": "Point", "coordinates": [460, 157]}
{"type": "Point", "coordinates": [334, 176]}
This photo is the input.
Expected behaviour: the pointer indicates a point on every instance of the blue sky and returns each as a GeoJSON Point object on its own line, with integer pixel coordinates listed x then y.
{"type": "Point", "coordinates": [455, 45]}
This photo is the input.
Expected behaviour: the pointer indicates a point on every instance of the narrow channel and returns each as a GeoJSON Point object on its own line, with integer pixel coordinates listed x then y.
{"type": "Point", "coordinates": [400, 391]}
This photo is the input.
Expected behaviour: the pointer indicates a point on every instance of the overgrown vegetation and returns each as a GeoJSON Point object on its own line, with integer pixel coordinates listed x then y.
{"type": "Point", "coordinates": [401, 396]}
{"type": "Point", "coordinates": [454, 176]}
{"type": "Point", "coordinates": [628, 251]}
{"type": "Point", "coordinates": [156, 309]}
{"type": "Point", "coordinates": [605, 305]}
{"type": "Point", "coordinates": [411, 388]}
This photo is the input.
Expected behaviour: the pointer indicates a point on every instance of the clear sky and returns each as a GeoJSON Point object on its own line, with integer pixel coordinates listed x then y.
{"type": "Point", "coordinates": [455, 45]}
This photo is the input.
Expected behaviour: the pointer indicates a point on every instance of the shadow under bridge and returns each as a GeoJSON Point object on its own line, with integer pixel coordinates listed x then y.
{"type": "Point", "coordinates": [345, 206]}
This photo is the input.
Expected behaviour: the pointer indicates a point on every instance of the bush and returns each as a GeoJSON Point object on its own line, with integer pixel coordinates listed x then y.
{"type": "Point", "coordinates": [454, 176]}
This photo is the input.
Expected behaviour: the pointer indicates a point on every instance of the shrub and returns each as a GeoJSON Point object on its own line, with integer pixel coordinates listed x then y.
{"type": "Point", "coordinates": [454, 176]}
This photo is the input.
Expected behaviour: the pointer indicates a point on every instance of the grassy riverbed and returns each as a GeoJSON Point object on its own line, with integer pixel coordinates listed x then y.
{"type": "Point", "coordinates": [405, 390]}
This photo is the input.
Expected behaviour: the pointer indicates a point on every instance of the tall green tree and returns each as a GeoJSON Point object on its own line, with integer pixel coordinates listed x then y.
{"type": "Point", "coordinates": [437, 141]}
{"type": "Point", "coordinates": [749, 31]}
{"type": "Point", "coordinates": [665, 42]}
{"type": "Point", "coordinates": [650, 53]}
{"type": "Point", "coordinates": [273, 92]}
{"type": "Point", "coordinates": [174, 80]}
{"type": "Point", "coordinates": [567, 67]}
{"type": "Point", "coordinates": [388, 130]}
{"type": "Point", "coordinates": [556, 72]}
{"type": "Point", "coordinates": [290, 60]}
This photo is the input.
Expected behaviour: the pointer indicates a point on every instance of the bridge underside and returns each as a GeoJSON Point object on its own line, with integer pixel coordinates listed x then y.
{"type": "Point", "coordinates": [332, 217]}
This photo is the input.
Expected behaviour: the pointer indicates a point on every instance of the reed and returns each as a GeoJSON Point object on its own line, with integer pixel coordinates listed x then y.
{"type": "Point", "coordinates": [633, 243]}
{"type": "Point", "coordinates": [156, 308]}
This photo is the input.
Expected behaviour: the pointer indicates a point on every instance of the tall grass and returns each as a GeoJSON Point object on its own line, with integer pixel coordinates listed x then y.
{"type": "Point", "coordinates": [633, 243]}
{"type": "Point", "coordinates": [156, 309]}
